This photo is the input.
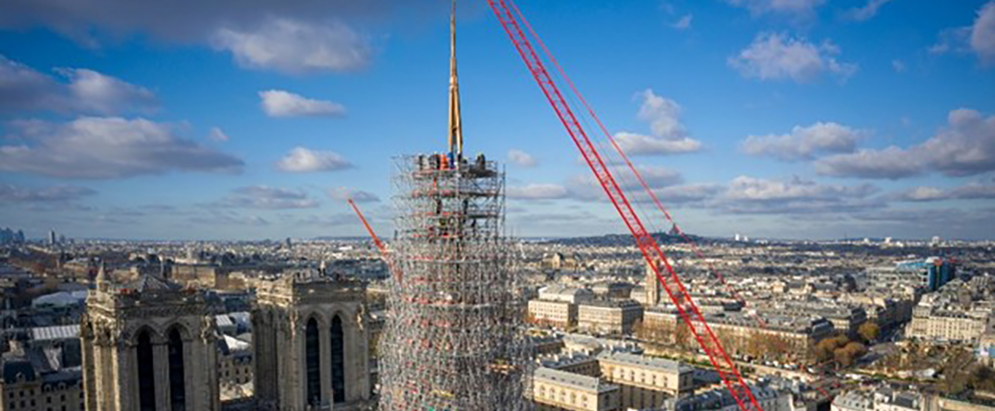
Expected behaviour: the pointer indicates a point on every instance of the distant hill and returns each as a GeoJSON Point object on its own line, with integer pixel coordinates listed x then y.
{"type": "Point", "coordinates": [622, 240]}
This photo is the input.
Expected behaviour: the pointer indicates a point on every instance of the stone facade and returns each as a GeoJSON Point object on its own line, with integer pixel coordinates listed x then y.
{"type": "Point", "coordinates": [149, 345]}
{"type": "Point", "coordinates": [311, 344]}
{"type": "Point", "coordinates": [153, 345]}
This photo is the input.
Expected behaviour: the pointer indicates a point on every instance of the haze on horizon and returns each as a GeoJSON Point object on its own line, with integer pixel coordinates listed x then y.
{"type": "Point", "coordinates": [810, 119]}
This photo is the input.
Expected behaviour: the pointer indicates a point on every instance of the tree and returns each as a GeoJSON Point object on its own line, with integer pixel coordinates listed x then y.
{"type": "Point", "coordinates": [848, 353]}
{"type": "Point", "coordinates": [825, 350]}
{"type": "Point", "coordinates": [869, 331]}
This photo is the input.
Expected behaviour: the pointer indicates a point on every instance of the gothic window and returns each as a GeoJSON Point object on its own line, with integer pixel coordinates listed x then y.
{"type": "Point", "coordinates": [338, 360]}
{"type": "Point", "coordinates": [177, 382]}
{"type": "Point", "coordinates": [146, 373]}
{"type": "Point", "coordinates": [312, 357]}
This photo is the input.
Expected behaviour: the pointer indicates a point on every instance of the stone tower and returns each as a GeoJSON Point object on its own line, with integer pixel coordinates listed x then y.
{"type": "Point", "coordinates": [149, 345]}
{"type": "Point", "coordinates": [652, 287]}
{"type": "Point", "coordinates": [311, 344]}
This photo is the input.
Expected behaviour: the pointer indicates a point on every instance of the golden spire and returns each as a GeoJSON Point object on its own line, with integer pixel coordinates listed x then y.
{"type": "Point", "coordinates": [455, 119]}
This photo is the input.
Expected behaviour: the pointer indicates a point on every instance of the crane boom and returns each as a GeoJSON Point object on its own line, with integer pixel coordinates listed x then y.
{"type": "Point", "coordinates": [509, 16]}
{"type": "Point", "coordinates": [642, 181]}
{"type": "Point", "coordinates": [384, 253]}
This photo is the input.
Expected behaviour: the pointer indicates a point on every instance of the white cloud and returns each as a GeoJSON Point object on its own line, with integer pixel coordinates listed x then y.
{"type": "Point", "coordinates": [683, 23]}
{"type": "Point", "coordinates": [586, 187]}
{"type": "Point", "coordinates": [279, 103]}
{"type": "Point", "coordinates": [922, 194]}
{"type": "Point", "coordinates": [983, 33]}
{"type": "Point", "coordinates": [22, 88]}
{"type": "Point", "coordinates": [218, 135]}
{"type": "Point", "coordinates": [268, 198]}
{"type": "Point", "coordinates": [108, 147]}
{"type": "Point", "coordinates": [642, 144]}
{"type": "Point", "coordinates": [804, 143]}
{"type": "Point", "coordinates": [867, 12]}
{"type": "Point", "coordinates": [663, 114]}
{"type": "Point", "coordinates": [669, 135]}
{"type": "Point", "coordinates": [778, 56]}
{"type": "Point", "coordinates": [359, 196]}
{"type": "Point", "coordinates": [536, 191]}
{"type": "Point", "coordinates": [965, 147]}
{"type": "Point", "coordinates": [971, 191]}
{"type": "Point", "coordinates": [192, 21]}
{"type": "Point", "coordinates": [978, 38]}
{"type": "Point", "coordinates": [800, 8]}
{"type": "Point", "coordinates": [296, 47]}
{"type": "Point", "coordinates": [10, 193]}
{"type": "Point", "coordinates": [762, 196]}
{"type": "Point", "coordinates": [521, 158]}
{"type": "Point", "coordinates": [303, 160]}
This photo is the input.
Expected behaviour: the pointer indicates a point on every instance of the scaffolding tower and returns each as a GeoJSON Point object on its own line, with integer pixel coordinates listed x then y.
{"type": "Point", "coordinates": [453, 337]}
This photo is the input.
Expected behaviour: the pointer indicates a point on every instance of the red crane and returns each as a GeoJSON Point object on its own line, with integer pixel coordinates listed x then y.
{"type": "Point", "coordinates": [512, 21]}
{"type": "Point", "coordinates": [642, 181]}
{"type": "Point", "coordinates": [384, 253]}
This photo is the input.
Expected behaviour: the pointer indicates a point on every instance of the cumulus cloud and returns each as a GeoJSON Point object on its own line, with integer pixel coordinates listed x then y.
{"type": "Point", "coordinates": [972, 191]}
{"type": "Point", "coordinates": [521, 158]}
{"type": "Point", "coordinates": [279, 103]}
{"type": "Point", "coordinates": [537, 191]}
{"type": "Point", "coordinates": [668, 134]}
{"type": "Point", "coordinates": [267, 198]}
{"type": "Point", "coordinates": [637, 144]}
{"type": "Point", "coordinates": [983, 33]}
{"type": "Point", "coordinates": [10, 193]}
{"type": "Point", "coordinates": [921, 194]}
{"type": "Point", "coordinates": [965, 147]}
{"type": "Point", "coordinates": [866, 12]}
{"type": "Point", "coordinates": [978, 38]}
{"type": "Point", "coordinates": [778, 56]}
{"type": "Point", "coordinates": [218, 135]}
{"type": "Point", "coordinates": [752, 195]}
{"type": "Point", "coordinates": [586, 187]}
{"type": "Point", "coordinates": [23, 88]}
{"type": "Point", "coordinates": [190, 21]}
{"type": "Point", "coordinates": [304, 160]}
{"type": "Point", "coordinates": [296, 47]}
{"type": "Point", "coordinates": [345, 193]}
{"type": "Point", "coordinates": [108, 147]}
{"type": "Point", "coordinates": [804, 143]}
{"type": "Point", "coordinates": [786, 7]}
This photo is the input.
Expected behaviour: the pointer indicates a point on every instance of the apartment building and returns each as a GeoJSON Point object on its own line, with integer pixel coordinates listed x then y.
{"type": "Point", "coordinates": [555, 390]}
{"type": "Point", "coordinates": [558, 314]}
{"type": "Point", "coordinates": [615, 317]}
{"type": "Point", "coordinates": [645, 382]}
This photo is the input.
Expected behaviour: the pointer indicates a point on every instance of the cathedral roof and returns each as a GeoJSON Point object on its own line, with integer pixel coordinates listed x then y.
{"type": "Point", "coordinates": [148, 282]}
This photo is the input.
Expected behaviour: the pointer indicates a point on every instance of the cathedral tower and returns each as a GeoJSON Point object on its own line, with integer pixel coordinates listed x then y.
{"type": "Point", "coordinates": [149, 345]}
{"type": "Point", "coordinates": [311, 344]}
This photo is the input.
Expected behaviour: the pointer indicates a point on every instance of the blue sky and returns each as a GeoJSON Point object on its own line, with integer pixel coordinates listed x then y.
{"type": "Point", "coordinates": [254, 119]}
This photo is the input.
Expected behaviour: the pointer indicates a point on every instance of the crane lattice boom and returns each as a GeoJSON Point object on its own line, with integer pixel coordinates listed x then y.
{"type": "Point", "coordinates": [512, 21]}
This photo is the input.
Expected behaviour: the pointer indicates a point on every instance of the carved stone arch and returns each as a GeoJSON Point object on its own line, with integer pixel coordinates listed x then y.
{"type": "Point", "coordinates": [182, 328]}
{"type": "Point", "coordinates": [143, 338]}
{"type": "Point", "coordinates": [132, 333]}
{"type": "Point", "coordinates": [347, 316]}
{"type": "Point", "coordinates": [316, 314]}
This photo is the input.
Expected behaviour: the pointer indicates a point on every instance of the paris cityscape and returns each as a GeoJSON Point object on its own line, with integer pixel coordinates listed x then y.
{"type": "Point", "coordinates": [398, 205]}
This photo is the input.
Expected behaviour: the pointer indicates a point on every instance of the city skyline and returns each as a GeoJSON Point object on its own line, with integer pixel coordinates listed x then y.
{"type": "Point", "coordinates": [831, 119]}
